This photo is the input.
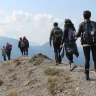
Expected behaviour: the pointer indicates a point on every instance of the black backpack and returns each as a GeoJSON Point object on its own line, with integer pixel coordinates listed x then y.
{"type": "Point", "coordinates": [57, 35]}
{"type": "Point", "coordinates": [89, 34]}
{"type": "Point", "coordinates": [71, 35]}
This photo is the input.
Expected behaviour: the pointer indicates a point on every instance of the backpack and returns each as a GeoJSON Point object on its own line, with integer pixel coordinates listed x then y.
{"type": "Point", "coordinates": [25, 42]}
{"type": "Point", "coordinates": [71, 35]}
{"type": "Point", "coordinates": [57, 36]}
{"type": "Point", "coordinates": [89, 34]}
{"type": "Point", "coordinates": [10, 47]}
{"type": "Point", "coordinates": [22, 44]}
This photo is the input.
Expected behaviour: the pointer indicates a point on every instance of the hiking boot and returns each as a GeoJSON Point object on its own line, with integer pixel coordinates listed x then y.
{"type": "Point", "coordinates": [87, 74]}
{"type": "Point", "coordinates": [72, 66]}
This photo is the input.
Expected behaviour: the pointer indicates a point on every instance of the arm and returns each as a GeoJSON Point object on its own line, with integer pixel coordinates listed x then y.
{"type": "Point", "coordinates": [51, 35]}
{"type": "Point", "coordinates": [64, 35]}
{"type": "Point", "coordinates": [79, 30]}
{"type": "Point", "coordinates": [28, 43]}
{"type": "Point", "coordinates": [19, 44]}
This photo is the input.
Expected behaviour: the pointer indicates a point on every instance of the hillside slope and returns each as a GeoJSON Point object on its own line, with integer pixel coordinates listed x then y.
{"type": "Point", "coordinates": [39, 76]}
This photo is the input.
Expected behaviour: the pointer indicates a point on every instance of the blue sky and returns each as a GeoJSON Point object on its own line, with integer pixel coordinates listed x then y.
{"type": "Point", "coordinates": [29, 17]}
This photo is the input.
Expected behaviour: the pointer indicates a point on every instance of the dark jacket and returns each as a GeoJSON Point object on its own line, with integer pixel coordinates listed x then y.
{"type": "Point", "coordinates": [26, 42]}
{"type": "Point", "coordinates": [67, 26]}
{"type": "Point", "coordinates": [52, 34]}
{"type": "Point", "coordinates": [81, 30]}
{"type": "Point", "coordinates": [19, 44]}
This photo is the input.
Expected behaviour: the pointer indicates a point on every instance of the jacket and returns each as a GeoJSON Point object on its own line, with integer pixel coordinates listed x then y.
{"type": "Point", "coordinates": [7, 50]}
{"type": "Point", "coordinates": [52, 34]}
{"type": "Point", "coordinates": [81, 30]}
{"type": "Point", "coordinates": [66, 29]}
{"type": "Point", "coordinates": [26, 45]}
{"type": "Point", "coordinates": [3, 52]}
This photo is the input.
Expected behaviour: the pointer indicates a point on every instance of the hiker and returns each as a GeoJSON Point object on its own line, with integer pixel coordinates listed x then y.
{"type": "Point", "coordinates": [69, 41]}
{"type": "Point", "coordinates": [87, 32]}
{"type": "Point", "coordinates": [8, 50]}
{"type": "Point", "coordinates": [21, 45]}
{"type": "Point", "coordinates": [3, 53]}
{"type": "Point", "coordinates": [26, 42]}
{"type": "Point", "coordinates": [56, 36]}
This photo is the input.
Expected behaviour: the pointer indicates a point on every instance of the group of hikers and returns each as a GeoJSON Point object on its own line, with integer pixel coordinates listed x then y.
{"type": "Point", "coordinates": [23, 44]}
{"type": "Point", "coordinates": [67, 40]}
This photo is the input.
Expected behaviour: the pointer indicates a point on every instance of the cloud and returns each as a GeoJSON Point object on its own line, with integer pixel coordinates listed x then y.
{"type": "Point", "coordinates": [35, 27]}
{"type": "Point", "coordinates": [2, 12]}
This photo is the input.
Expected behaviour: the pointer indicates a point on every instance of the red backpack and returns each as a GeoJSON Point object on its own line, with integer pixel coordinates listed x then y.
{"type": "Point", "coordinates": [9, 47]}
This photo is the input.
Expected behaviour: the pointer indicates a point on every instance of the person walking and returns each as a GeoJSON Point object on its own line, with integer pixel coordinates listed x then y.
{"type": "Point", "coordinates": [3, 53]}
{"type": "Point", "coordinates": [69, 42]}
{"type": "Point", "coordinates": [21, 45]}
{"type": "Point", "coordinates": [56, 36]}
{"type": "Point", "coordinates": [26, 42]}
{"type": "Point", "coordinates": [87, 32]}
{"type": "Point", "coordinates": [8, 50]}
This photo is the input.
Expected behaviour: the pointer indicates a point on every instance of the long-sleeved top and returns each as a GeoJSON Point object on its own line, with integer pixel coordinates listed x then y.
{"type": "Point", "coordinates": [66, 29]}
{"type": "Point", "coordinates": [81, 30]}
{"type": "Point", "coordinates": [52, 37]}
{"type": "Point", "coordinates": [26, 42]}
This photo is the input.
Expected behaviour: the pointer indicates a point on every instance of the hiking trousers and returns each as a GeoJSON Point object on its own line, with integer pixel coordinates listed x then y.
{"type": "Point", "coordinates": [26, 51]}
{"type": "Point", "coordinates": [22, 50]}
{"type": "Point", "coordinates": [4, 57]}
{"type": "Point", "coordinates": [86, 51]}
{"type": "Point", "coordinates": [70, 57]}
{"type": "Point", "coordinates": [8, 55]}
{"type": "Point", "coordinates": [57, 50]}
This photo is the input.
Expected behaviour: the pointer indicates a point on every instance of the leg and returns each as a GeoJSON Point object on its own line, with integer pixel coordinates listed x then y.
{"type": "Point", "coordinates": [56, 53]}
{"type": "Point", "coordinates": [59, 56]}
{"type": "Point", "coordinates": [21, 49]}
{"type": "Point", "coordinates": [70, 57]}
{"type": "Point", "coordinates": [93, 48]}
{"type": "Point", "coordinates": [27, 51]}
{"type": "Point", "coordinates": [4, 58]}
{"type": "Point", "coordinates": [87, 60]}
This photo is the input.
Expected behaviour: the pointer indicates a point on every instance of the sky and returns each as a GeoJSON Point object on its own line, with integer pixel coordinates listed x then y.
{"type": "Point", "coordinates": [34, 18]}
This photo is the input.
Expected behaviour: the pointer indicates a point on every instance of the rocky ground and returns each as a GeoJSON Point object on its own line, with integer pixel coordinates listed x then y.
{"type": "Point", "coordinates": [39, 76]}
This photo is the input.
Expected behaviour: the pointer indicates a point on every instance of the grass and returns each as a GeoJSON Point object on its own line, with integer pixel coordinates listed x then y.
{"type": "Point", "coordinates": [17, 62]}
{"type": "Point", "coordinates": [38, 59]}
{"type": "Point", "coordinates": [58, 80]}
{"type": "Point", "coordinates": [52, 71]}
{"type": "Point", "coordinates": [30, 82]}
{"type": "Point", "coordinates": [13, 94]}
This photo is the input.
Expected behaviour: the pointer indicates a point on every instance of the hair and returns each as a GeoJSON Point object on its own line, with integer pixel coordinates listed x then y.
{"type": "Point", "coordinates": [87, 14]}
{"type": "Point", "coordinates": [69, 23]}
{"type": "Point", "coordinates": [20, 38]}
{"type": "Point", "coordinates": [55, 24]}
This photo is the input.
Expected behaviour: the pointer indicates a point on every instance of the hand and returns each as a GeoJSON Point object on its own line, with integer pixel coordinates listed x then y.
{"type": "Point", "coordinates": [60, 46]}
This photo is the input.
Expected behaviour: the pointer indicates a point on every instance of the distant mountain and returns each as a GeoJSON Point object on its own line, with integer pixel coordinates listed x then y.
{"type": "Point", "coordinates": [32, 43]}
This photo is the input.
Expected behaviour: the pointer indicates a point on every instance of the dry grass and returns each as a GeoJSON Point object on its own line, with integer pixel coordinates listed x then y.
{"type": "Point", "coordinates": [13, 94]}
{"type": "Point", "coordinates": [38, 59]}
{"type": "Point", "coordinates": [17, 61]}
{"type": "Point", "coordinates": [59, 80]}
{"type": "Point", "coordinates": [1, 82]}
{"type": "Point", "coordinates": [30, 82]}
{"type": "Point", "coordinates": [13, 77]}
{"type": "Point", "coordinates": [10, 70]}
{"type": "Point", "coordinates": [52, 71]}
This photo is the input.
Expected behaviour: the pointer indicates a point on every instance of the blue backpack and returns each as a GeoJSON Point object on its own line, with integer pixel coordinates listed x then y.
{"type": "Point", "coordinates": [71, 35]}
